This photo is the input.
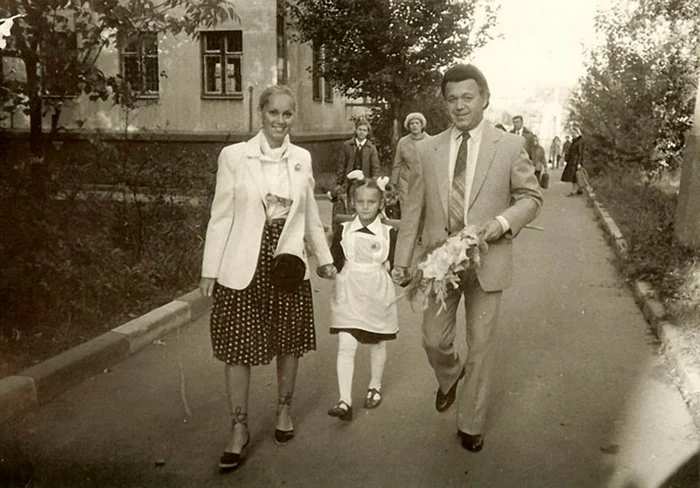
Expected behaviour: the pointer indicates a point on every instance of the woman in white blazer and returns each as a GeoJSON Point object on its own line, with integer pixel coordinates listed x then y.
{"type": "Point", "coordinates": [263, 208]}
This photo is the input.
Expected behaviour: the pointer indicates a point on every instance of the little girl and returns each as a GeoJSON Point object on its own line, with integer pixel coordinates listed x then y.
{"type": "Point", "coordinates": [363, 307]}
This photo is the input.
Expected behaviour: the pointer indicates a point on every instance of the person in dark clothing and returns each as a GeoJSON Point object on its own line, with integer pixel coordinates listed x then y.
{"type": "Point", "coordinates": [574, 162]}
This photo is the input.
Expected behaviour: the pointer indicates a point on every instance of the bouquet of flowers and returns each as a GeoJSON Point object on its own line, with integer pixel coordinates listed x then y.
{"type": "Point", "coordinates": [446, 265]}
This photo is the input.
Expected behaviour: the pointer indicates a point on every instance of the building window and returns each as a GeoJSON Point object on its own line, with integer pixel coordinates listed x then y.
{"type": "Point", "coordinates": [327, 90]}
{"type": "Point", "coordinates": [59, 65]}
{"type": "Point", "coordinates": [316, 79]}
{"type": "Point", "coordinates": [139, 63]}
{"type": "Point", "coordinates": [320, 86]}
{"type": "Point", "coordinates": [282, 75]}
{"type": "Point", "coordinates": [222, 52]}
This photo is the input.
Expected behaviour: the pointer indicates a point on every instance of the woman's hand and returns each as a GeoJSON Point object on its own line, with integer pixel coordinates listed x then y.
{"type": "Point", "coordinates": [327, 271]}
{"type": "Point", "coordinates": [206, 286]}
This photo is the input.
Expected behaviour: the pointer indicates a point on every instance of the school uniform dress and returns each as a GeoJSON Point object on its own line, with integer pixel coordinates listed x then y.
{"type": "Point", "coordinates": [263, 206]}
{"type": "Point", "coordinates": [364, 297]}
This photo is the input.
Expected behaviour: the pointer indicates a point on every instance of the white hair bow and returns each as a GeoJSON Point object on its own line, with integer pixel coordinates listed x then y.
{"type": "Point", "coordinates": [382, 181]}
{"type": "Point", "coordinates": [356, 175]}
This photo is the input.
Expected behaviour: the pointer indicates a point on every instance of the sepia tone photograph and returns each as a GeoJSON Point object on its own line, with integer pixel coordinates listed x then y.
{"type": "Point", "coordinates": [342, 243]}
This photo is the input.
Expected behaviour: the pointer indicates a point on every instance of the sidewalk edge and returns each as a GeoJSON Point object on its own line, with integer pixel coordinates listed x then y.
{"type": "Point", "coordinates": [40, 383]}
{"type": "Point", "coordinates": [686, 373]}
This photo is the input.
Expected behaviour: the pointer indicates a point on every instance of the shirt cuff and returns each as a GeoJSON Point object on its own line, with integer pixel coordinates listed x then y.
{"type": "Point", "coordinates": [504, 223]}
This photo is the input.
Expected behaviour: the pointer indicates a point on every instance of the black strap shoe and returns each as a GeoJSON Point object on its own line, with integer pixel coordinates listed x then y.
{"type": "Point", "coordinates": [341, 411]}
{"type": "Point", "coordinates": [472, 443]}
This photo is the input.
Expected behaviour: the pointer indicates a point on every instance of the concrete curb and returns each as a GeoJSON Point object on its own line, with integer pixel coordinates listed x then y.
{"type": "Point", "coordinates": [44, 381]}
{"type": "Point", "coordinates": [686, 372]}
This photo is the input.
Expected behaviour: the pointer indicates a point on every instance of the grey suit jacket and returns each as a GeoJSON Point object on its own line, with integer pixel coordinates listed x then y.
{"type": "Point", "coordinates": [504, 184]}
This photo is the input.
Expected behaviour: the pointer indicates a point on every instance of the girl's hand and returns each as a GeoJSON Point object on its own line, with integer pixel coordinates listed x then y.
{"type": "Point", "coordinates": [206, 286]}
{"type": "Point", "coordinates": [327, 271]}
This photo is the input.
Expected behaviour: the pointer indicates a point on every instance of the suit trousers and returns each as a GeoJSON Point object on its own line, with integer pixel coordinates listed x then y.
{"type": "Point", "coordinates": [439, 331]}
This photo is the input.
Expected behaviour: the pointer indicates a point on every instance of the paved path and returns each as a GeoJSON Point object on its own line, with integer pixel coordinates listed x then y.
{"type": "Point", "coordinates": [581, 398]}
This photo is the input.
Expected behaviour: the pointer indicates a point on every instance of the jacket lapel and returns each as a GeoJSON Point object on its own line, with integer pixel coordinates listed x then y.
{"type": "Point", "coordinates": [296, 182]}
{"type": "Point", "coordinates": [441, 163]}
{"type": "Point", "coordinates": [487, 151]}
{"type": "Point", "coordinates": [254, 165]}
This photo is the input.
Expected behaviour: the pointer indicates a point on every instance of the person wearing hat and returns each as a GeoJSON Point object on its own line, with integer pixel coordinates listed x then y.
{"type": "Point", "coordinates": [255, 265]}
{"type": "Point", "coordinates": [405, 152]}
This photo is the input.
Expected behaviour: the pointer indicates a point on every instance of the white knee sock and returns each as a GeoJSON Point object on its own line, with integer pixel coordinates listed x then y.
{"type": "Point", "coordinates": [347, 346]}
{"type": "Point", "coordinates": [377, 361]}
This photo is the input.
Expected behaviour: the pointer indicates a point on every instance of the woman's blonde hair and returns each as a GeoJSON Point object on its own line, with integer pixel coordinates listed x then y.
{"type": "Point", "coordinates": [272, 90]}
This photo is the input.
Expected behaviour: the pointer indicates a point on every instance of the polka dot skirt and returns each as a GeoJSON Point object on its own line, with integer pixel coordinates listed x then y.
{"type": "Point", "coordinates": [253, 325]}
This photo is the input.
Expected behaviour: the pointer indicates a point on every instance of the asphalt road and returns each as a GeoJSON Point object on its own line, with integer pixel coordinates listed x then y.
{"type": "Point", "coordinates": [581, 398]}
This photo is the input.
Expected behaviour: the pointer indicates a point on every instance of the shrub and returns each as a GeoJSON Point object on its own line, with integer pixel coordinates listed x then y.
{"type": "Point", "coordinates": [645, 212]}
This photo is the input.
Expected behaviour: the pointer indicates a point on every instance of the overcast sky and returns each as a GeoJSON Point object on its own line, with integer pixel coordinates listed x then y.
{"type": "Point", "coordinates": [542, 44]}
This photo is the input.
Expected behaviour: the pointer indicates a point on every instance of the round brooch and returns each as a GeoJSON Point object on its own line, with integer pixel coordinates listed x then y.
{"type": "Point", "coordinates": [297, 166]}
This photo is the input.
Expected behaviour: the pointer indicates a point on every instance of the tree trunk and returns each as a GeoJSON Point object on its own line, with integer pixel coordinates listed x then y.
{"type": "Point", "coordinates": [395, 110]}
{"type": "Point", "coordinates": [37, 169]}
{"type": "Point", "coordinates": [687, 222]}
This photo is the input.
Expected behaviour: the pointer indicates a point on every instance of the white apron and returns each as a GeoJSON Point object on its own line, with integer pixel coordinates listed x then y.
{"type": "Point", "coordinates": [363, 295]}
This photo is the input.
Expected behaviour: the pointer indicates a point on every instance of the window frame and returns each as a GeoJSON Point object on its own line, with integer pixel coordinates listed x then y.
{"type": "Point", "coordinates": [316, 78]}
{"type": "Point", "coordinates": [321, 87]}
{"type": "Point", "coordinates": [224, 54]}
{"type": "Point", "coordinates": [141, 54]}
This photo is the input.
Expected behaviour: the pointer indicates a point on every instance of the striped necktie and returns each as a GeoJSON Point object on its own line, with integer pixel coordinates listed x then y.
{"type": "Point", "coordinates": [459, 186]}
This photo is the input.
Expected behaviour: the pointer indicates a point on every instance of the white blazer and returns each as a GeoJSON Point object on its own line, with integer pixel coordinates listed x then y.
{"type": "Point", "coordinates": [234, 234]}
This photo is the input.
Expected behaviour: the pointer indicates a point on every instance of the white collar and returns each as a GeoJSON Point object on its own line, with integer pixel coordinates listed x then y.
{"type": "Point", "coordinates": [474, 134]}
{"type": "Point", "coordinates": [375, 226]}
{"type": "Point", "coordinates": [268, 153]}
{"type": "Point", "coordinates": [360, 143]}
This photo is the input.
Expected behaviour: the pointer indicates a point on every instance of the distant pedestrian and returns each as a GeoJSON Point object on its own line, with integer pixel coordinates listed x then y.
{"type": "Point", "coordinates": [255, 267]}
{"type": "Point", "coordinates": [357, 153]}
{"type": "Point", "coordinates": [538, 158]}
{"type": "Point", "coordinates": [524, 132]}
{"type": "Point", "coordinates": [555, 152]}
{"type": "Point", "coordinates": [406, 152]}
{"type": "Point", "coordinates": [363, 307]}
{"type": "Point", "coordinates": [565, 148]}
{"type": "Point", "coordinates": [574, 162]}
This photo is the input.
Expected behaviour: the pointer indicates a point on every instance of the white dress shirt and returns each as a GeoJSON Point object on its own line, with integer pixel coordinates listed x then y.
{"type": "Point", "coordinates": [473, 147]}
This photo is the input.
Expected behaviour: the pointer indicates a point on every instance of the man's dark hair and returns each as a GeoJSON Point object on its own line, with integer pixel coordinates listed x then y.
{"type": "Point", "coordinates": [518, 117]}
{"type": "Point", "coordinates": [461, 72]}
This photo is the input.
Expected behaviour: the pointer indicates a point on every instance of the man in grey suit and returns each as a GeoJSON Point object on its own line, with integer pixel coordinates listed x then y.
{"type": "Point", "coordinates": [471, 174]}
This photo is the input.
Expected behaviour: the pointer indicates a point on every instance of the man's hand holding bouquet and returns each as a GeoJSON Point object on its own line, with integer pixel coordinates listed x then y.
{"type": "Point", "coordinates": [446, 266]}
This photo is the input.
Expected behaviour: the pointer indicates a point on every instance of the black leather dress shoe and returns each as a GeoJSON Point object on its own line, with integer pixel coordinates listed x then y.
{"type": "Point", "coordinates": [473, 443]}
{"type": "Point", "coordinates": [443, 401]}
{"type": "Point", "coordinates": [283, 436]}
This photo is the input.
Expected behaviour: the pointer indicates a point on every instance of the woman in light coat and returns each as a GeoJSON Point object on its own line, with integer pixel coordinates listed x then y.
{"type": "Point", "coordinates": [405, 152]}
{"type": "Point", "coordinates": [255, 265]}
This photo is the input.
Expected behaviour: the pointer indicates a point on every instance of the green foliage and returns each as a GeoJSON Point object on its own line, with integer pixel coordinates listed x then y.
{"type": "Point", "coordinates": [645, 213]}
{"type": "Point", "coordinates": [60, 41]}
{"type": "Point", "coordinates": [391, 52]}
{"type": "Point", "coordinates": [429, 104]}
{"type": "Point", "coordinates": [75, 268]}
{"type": "Point", "coordinates": [636, 99]}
